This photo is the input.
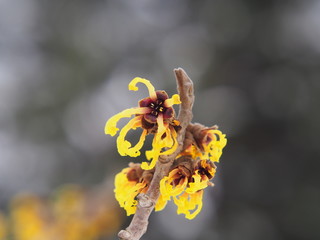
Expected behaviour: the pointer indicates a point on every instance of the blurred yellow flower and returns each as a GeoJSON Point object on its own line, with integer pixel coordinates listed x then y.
{"type": "Point", "coordinates": [3, 227]}
{"type": "Point", "coordinates": [73, 214]}
{"type": "Point", "coordinates": [27, 218]}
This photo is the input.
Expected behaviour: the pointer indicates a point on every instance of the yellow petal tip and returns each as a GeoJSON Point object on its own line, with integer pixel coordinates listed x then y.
{"type": "Point", "coordinates": [176, 99]}
{"type": "Point", "coordinates": [111, 130]}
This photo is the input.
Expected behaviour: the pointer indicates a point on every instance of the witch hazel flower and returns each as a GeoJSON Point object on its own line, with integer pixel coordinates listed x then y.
{"type": "Point", "coordinates": [204, 142]}
{"type": "Point", "coordinates": [154, 115]}
{"type": "Point", "coordinates": [185, 184]}
{"type": "Point", "coordinates": [129, 183]}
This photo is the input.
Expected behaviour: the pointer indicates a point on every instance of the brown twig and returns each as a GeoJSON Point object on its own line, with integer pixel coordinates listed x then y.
{"type": "Point", "coordinates": [146, 202]}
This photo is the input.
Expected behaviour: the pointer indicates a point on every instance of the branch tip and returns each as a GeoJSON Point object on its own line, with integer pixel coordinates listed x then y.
{"type": "Point", "coordinates": [124, 235]}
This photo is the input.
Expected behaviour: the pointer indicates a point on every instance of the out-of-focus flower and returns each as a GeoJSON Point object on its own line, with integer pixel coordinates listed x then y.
{"type": "Point", "coordinates": [74, 214]}
{"type": "Point", "coordinates": [3, 227]}
{"type": "Point", "coordinates": [154, 115]}
{"type": "Point", "coordinates": [185, 183]}
{"type": "Point", "coordinates": [130, 182]}
{"type": "Point", "coordinates": [28, 218]}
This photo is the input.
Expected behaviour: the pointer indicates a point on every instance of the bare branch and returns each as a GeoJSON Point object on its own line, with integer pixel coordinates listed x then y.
{"type": "Point", "coordinates": [146, 202]}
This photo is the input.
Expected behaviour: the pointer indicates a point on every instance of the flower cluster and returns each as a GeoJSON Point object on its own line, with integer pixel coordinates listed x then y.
{"type": "Point", "coordinates": [193, 167]}
{"type": "Point", "coordinates": [154, 115]}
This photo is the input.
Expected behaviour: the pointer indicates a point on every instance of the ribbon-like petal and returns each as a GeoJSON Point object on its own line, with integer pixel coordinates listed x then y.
{"type": "Point", "coordinates": [132, 86]}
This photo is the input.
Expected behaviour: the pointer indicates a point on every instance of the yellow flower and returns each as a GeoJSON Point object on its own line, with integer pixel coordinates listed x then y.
{"type": "Point", "coordinates": [174, 184]}
{"type": "Point", "coordinates": [204, 172]}
{"type": "Point", "coordinates": [27, 218]}
{"type": "Point", "coordinates": [206, 143]}
{"type": "Point", "coordinates": [187, 189]}
{"type": "Point", "coordinates": [126, 191]}
{"type": "Point", "coordinates": [129, 183]}
{"type": "Point", "coordinates": [68, 211]}
{"type": "Point", "coordinates": [154, 115]}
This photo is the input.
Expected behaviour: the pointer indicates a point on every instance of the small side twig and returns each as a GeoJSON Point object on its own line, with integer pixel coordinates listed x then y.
{"type": "Point", "coordinates": [147, 201]}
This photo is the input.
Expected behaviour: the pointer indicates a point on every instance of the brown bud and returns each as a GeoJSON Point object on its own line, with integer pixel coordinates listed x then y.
{"type": "Point", "coordinates": [135, 172]}
{"type": "Point", "coordinates": [199, 133]}
{"type": "Point", "coordinates": [185, 164]}
{"type": "Point", "coordinates": [147, 176]}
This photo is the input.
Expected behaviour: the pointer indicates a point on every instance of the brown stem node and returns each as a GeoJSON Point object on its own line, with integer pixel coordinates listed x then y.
{"type": "Point", "coordinates": [145, 201]}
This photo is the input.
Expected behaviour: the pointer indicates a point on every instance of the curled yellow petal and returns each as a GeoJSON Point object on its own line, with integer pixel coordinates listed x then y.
{"type": "Point", "coordinates": [152, 154]}
{"type": "Point", "coordinates": [134, 151]}
{"type": "Point", "coordinates": [111, 125]}
{"type": "Point", "coordinates": [175, 99]}
{"type": "Point", "coordinates": [126, 191]}
{"type": "Point", "coordinates": [189, 202]}
{"type": "Point", "coordinates": [129, 202]}
{"type": "Point", "coordinates": [132, 86]}
{"type": "Point", "coordinates": [168, 140]}
{"type": "Point", "coordinates": [124, 146]}
{"type": "Point", "coordinates": [161, 203]}
{"type": "Point", "coordinates": [213, 150]}
{"type": "Point", "coordinates": [167, 188]}
{"type": "Point", "coordinates": [161, 128]}
{"type": "Point", "coordinates": [178, 189]}
{"type": "Point", "coordinates": [168, 143]}
{"type": "Point", "coordinates": [122, 185]}
{"type": "Point", "coordinates": [196, 199]}
{"type": "Point", "coordinates": [192, 151]}
{"type": "Point", "coordinates": [198, 183]}
{"type": "Point", "coordinates": [157, 145]}
{"type": "Point", "coordinates": [146, 166]}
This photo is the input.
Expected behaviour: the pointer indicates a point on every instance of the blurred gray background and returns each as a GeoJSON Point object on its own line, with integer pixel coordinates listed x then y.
{"type": "Point", "coordinates": [64, 70]}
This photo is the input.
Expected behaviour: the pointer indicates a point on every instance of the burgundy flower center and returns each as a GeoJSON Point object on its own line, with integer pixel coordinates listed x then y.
{"type": "Point", "coordinates": [157, 107]}
{"type": "Point", "coordinates": [206, 170]}
{"type": "Point", "coordinates": [203, 171]}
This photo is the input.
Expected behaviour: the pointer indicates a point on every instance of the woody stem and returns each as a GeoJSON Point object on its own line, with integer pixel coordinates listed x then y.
{"type": "Point", "coordinates": [147, 201]}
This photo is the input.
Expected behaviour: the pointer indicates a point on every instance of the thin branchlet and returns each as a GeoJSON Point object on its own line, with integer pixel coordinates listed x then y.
{"type": "Point", "coordinates": [146, 202]}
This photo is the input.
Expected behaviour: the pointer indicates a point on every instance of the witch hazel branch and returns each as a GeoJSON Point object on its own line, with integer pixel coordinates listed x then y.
{"type": "Point", "coordinates": [180, 164]}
